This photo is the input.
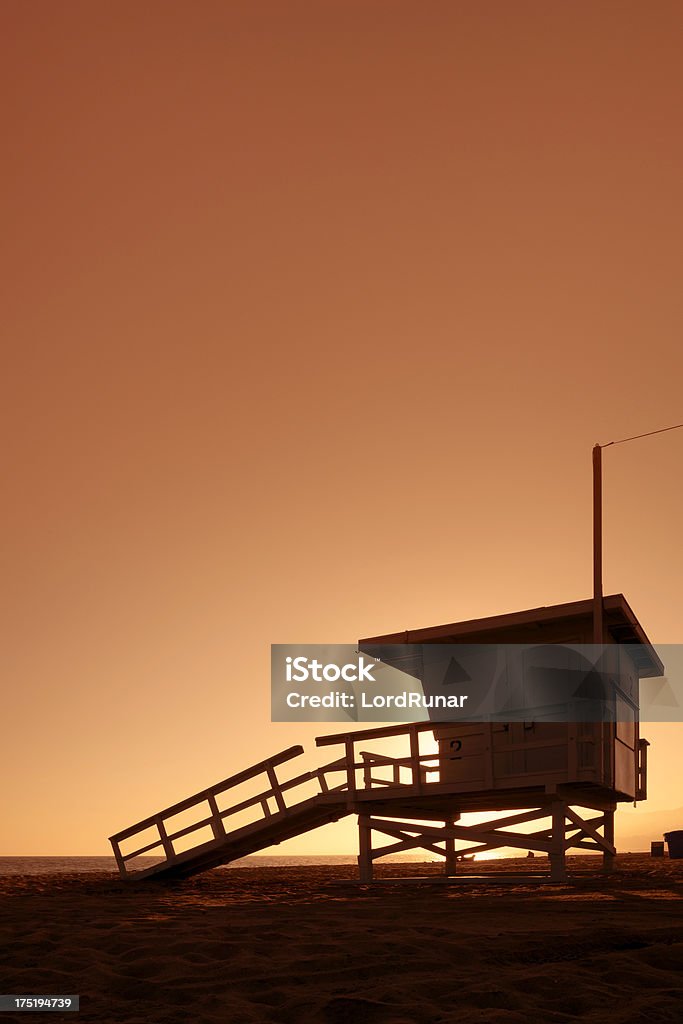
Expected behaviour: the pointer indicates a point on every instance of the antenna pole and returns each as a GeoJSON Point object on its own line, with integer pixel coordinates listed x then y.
{"type": "Point", "coordinates": [597, 544]}
{"type": "Point", "coordinates": [597, 524]}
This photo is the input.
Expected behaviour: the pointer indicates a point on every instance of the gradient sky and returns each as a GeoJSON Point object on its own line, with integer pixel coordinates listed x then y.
{"type": "Point", "coordinates": [312, 313]}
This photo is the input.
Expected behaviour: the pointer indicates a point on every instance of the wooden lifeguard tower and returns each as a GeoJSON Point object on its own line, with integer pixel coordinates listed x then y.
{"type": "Point", "coordinates": [420, 778]}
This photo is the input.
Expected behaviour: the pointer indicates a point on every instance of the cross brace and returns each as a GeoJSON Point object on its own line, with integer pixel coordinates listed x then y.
{"type": "Point", "coordinates": [567, 829]}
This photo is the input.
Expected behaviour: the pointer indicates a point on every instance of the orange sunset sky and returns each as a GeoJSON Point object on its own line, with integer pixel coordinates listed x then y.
{"type": "Point", "coordinates": [312, 312]}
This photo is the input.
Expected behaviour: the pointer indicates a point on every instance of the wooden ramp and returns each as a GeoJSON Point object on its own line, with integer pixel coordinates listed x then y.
{"type": "Point", "coordinates": [257, 809]}
{"type": "Point", "coordinates": [197, 833]}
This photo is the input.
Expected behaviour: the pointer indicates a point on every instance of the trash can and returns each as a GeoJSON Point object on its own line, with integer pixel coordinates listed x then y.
{"type": "Point", "coordinates": [674, 840]}
{"type": "Point", "coordinates": [656, 849]}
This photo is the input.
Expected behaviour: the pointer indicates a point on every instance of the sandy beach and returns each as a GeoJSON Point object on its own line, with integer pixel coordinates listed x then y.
{"type": "Point", "coordinates": [308, 944]}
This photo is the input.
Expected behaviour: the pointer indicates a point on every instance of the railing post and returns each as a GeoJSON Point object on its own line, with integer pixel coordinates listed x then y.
{"type": "Point", "coordinates": [367, 769]}
{"type": "Point", "coordinates": [120, 862]}
{"type": "Point", "coordinates": [166, 842]}
{"type": "Point", "coordinates": [350, 764]}
{"type": "Point", "coordinates": [322, 780]}
{"type": "Point", "coordinates": [641, 789]}
{"type": "Point", "coordinates": [415, 756]}
{"type": "Point", "coordinates": [217, 826]}
{"type": "Point", "coordinates": [277, 792]}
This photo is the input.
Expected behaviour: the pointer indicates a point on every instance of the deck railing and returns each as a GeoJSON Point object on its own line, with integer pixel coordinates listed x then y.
{"type": "Point", "coordinates": [417, 763]}
{"type": "Point", "coordinates": [425, 770]}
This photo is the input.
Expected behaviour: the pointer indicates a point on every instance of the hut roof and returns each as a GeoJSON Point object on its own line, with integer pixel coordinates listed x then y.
{"type": "Point", "coordinates": [530, 625]}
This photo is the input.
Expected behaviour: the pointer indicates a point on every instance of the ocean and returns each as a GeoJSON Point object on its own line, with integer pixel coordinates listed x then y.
{"type": "Point", "coordinates": [73, 865]}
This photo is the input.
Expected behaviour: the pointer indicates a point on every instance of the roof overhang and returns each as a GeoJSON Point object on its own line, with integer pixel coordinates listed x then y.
{"type": "Point", "coordinates": [619, 620]}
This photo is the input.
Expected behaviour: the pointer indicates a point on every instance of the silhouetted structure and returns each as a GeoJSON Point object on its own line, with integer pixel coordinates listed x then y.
{"type": "Point", "coordinates": [554, 771]}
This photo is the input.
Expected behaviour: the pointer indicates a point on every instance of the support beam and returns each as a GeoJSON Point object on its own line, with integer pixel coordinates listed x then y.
{"type": "Point", "coordinates": [450, 867]}
{"type": "Point", "coordinates": [364, 848]}
{"type": "Point", "coordinates": [588, 830]}
{"type": "Point", "coordinates": [566, 829]}
{"type": "Point", "coordinates": [495, 838]}
{"type": "Point", "coordinates": [405, 842]}
{"type": "Point", "coordinates": [558, 865]}
{"type": "Point", "coordinates": [608, 855]}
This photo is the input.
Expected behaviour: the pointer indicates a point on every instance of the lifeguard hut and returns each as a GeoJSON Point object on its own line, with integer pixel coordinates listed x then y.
{"type": "Point", "coordinates": [540, 769]}
{"type": "Point", "coordinates": [562, 779]}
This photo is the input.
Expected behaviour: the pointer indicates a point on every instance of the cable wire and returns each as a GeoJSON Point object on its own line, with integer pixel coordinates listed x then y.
{"type": "Point", "coordinates": [635, 437]}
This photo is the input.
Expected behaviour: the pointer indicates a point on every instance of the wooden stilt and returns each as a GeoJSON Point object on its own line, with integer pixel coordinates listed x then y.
{"type": "Point", "coordinates": [364, 848]}
{"type": "Point", "coordinates": [608, 832]}
{"type": "Point", "coordinates": [558, 865]}
{"type": "Point", "coordinates": [450, 867]}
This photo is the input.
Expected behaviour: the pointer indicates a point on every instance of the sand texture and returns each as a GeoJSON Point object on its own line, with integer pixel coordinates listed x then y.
{"type": "Point", "coordinates": [291, 945]}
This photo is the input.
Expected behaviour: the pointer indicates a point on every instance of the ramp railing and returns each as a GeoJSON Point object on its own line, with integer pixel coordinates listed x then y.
{"type": "Point", "coordinates": [157, 835]}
